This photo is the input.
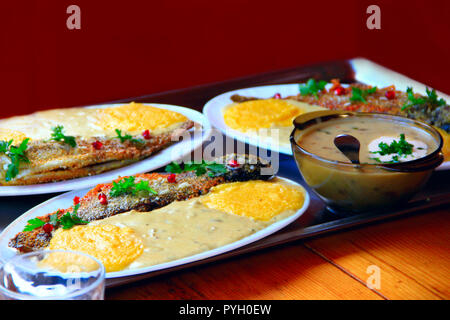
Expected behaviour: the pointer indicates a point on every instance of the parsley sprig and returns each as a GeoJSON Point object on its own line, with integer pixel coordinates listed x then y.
{"type": "Point", "coordinates": [431, 98]}
{"type": "Point", "coordinates": [212, 168]}
{"type": "Point", "coordinates": [70, 219]}
{"type": "Point", "coordinates": [33, 224]}
{"type": "Point", "coordinates": [129, 186]}
{"type": "Point", "coordinates": [66, 221]}
{"type": "Point", "coordinates": [399, 148]}
{"type": "Point", "coordinates": [16, 155]}
{"type": "Point", "coordinates": [359, 94]}
{"type": "Point", "coordinates": [312, 87]}
{"type": "Point", "coordinates": [125, 137]}
{"type": "Point", "coordinates": [58, 135]}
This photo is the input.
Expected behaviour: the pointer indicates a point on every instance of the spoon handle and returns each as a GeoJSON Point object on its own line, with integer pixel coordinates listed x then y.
{"type": "Point", "coordinates": [349, 146]}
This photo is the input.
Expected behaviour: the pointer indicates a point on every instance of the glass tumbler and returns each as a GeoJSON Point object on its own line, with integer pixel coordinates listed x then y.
{"type": "Point", "coordinates": [52, 275]}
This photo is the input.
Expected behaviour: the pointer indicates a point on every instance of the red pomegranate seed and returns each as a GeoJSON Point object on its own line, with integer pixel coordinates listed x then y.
{"type": "Point", "coordinates": [277, 96]}
{"type": "Point", "coordinates": [390, 94]}
{"type": "Point", "coordinates": [76, 200]}
{"type": "Point", "coordinates": [48, 227]}
{"type": "Point", "coordinates": [97, 145]}
{"type": "Point", "coordinates": [171, 178]}
{"type": "Point", "coordinates": [233, 163]}
{"type": "Point", "coordinates": [102, 199]}
{"type": "Point", "coordinates": [339, 91]}
{"type": "Point", "coordinates": [146, 135]}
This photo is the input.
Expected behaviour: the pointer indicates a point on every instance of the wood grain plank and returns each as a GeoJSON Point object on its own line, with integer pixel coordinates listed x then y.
{"type": "Point", "coordinates": [288, 272]}
{"type": "Point", "coordinates": [413, 255]}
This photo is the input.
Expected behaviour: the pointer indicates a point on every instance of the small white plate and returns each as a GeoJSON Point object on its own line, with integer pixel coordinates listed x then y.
{"type": "Point", "coordinates": [213, 110]}
{"type": "Point", "coordinates": [62, 200]}
{"type": "Point", "coordinates": [174, 152]}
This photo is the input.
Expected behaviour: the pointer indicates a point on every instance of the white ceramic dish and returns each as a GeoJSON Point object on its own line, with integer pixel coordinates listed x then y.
{"type": "Point", "coordinates": [172, 153]}
{"type": "Point", "coordinates": [213, 110]}
{"type": "Point", "coordinates": [62, 200]}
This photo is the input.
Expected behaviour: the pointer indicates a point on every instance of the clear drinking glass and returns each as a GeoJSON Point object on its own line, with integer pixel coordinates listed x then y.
{"type": "Point", "coordinates": [52, 275]}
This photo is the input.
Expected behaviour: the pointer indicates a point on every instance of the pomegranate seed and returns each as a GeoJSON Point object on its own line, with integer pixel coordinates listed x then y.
{"type": "Point", "coordinates": [277, 96]}
{"type": "Point", "coordinates": [146, 135]}
{"type": "Point", "coordinates": [102, 199]}
{"type": "Point", "coordinates": [171, 178]}
{"type": "Point", "coordinates": [76, 200]}
{"type": "Point", "coordinates": [97, 145]}
{"type": "Point", "coordinates": [390, 94]}
{"type": "Point", "coordinates": [233, 163]}
{"type": "Point", "coordinates": [339, 91]}
{"type": "Point", "coordinates": [48, 227]}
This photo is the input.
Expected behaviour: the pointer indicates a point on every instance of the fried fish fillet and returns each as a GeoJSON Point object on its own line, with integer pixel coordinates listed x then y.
{"type": "Point", "coordinates": [187, 185]}
{"type": "Point", "coordinates": [438, 116]}
{"type": "Point", "coordinates": [60, 144]}
{"type": "Point", "coordinates": [55, 161]}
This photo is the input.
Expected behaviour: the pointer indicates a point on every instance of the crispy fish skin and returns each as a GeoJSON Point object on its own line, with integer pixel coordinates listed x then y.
{"type": "Point", "coordinates": [375, 102]}
{"type": "Point", "coordinates": [328, 99]}
{"type": "Point", "coordinates": [187, 186]}
{"type": "Point", "coordinates": [52, 161]}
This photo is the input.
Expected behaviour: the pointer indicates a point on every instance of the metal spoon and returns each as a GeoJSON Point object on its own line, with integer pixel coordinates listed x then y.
{"type": "Point", "coordinates": [349, 146]}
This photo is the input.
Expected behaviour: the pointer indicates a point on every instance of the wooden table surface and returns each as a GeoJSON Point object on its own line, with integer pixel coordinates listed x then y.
{"type": "Point", "coordinates": [412, 254]}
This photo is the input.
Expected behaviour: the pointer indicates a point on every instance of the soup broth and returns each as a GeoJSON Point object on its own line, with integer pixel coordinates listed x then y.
{"type": "Point", "coordinates": [319, 139]}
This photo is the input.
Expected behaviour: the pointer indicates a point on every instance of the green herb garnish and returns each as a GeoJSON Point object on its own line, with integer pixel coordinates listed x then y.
{"type": "Point", "coordinates": [128, 137]}
{"type": "Point", "coordinates": [359, 94]}
{"type": "Point", "coordinates": [70, 219]}
{"type": "Point", "coordinates": [58, 135]}
{"type": "Point", "coordinates": [16, 154]}
{"type": "Point", "coordinates": [128, 186]}
{"type": "Point", "coordinates": [213, 169]}
{"type": "Point", "coordinates": [66, 221]}
{"type": "Point", "coordinates": [4, 145]}
{"type": "Point", "coordinates": [174, 167]}
{"type": "Point", "coordinates": [399, 148]}
{"type": "Point", "coordinates": [33, 224]}
{"type": "Point", "coordinates": [312, 87]}
{"type": "Point", "coordinates": [431, 98]}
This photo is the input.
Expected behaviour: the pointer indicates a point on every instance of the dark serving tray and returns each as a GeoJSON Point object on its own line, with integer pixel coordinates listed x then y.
{"type": "Point", "coordinates": [317, 219]}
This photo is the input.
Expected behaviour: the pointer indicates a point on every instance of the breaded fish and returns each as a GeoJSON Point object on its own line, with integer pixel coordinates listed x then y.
{"type": "Point", "coordinates": [382, 100]}
{"type": "Point", "coordinates": [186, 185]}
{"type": "Point", "coordinates": [51, 161]}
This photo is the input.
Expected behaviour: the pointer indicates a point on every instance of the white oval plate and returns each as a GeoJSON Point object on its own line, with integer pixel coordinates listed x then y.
{"type": "Point", "coordinates": [174, 152]}
{"type": "Point", "coordinates": [213, 111]}
{"type": "Point", "coordinates": [62, 200]}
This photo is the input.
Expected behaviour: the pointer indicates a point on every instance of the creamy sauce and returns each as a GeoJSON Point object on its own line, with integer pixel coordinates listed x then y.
{"type": "Point", "coordinates": [183, 228]}
{"type": "Point", "coordinates": [355, 188]}
{"type": "Point", "coordinates": [268, 120]}
{"type": "Point", "coordinates": [131, 118]}
{"type": "Point", "coordinates": [370, 132]}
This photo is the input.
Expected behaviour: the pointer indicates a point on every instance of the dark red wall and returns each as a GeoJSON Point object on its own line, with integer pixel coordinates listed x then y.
{"type": "Point", "coordinates": [130, 48]}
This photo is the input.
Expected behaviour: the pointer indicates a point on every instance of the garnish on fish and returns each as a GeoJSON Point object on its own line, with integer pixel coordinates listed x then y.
{"type": "Point", "coordinates": [187, 185]}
